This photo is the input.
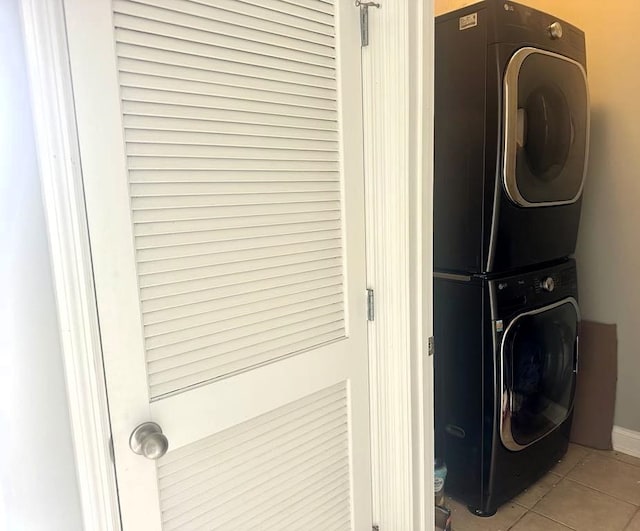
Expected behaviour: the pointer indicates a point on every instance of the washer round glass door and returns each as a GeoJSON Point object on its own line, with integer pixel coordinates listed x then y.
{"type": "Point", "coordinates": [546, 113]}
{"type": "Point", "coordinates": [539, 357]}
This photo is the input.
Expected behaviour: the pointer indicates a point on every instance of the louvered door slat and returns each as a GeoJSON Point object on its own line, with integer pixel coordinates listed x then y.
{"type": "Point", "coordinates": [191, 43]}
{"type": "Point", "coordinates": [245, 105]}
{"type": "Point", "coordinates": [198, 61]}
{"type": "Point", "coordinates": [230, 211]}
{"type": "Point", "coordinates": [139, 16]}
{"type": "Point", "coordinates": [166, 309]}
{"type": "Point", "coordinates": [201, 148]}
{"type": "Point", "coordinates": [181, 486]}
{"type": "Point", "coordinates": [239, 13]}
{"type": "Point", "coordinates": [290, 308]}
{"type": "Point", "coordinates": [240, 310]}
{"type": "Point", "coordinates": [240, 198]}
{"type": "Point", "coordinates": [226, 139]}
{"type": "Point", "coordinates": [313, 5]}
{"type": "Point", "coordinates": [230, 336]}
{"type": "Point", "coordinates": [162, 255]}
{"type": "Point", "coordinates": [174, 83]}
{"type": "Point", "coordinates": [229, 224]}
{"type": "Point", "coordinates": [164, 284]}
{"type": "Point", "coordinates": [274, 471]}
{"type": "Point", "coordinates": [138, 72]}
{"type": "Point", "coordinates": [239, 164]}
{"type": "Point", "coordinates": [161, 298]}
{"type": "Point", "coordinates": [234, 233]}
{"type": "Point", "coordinates": [138, 125]}
{"type": "Point", "coordinates": [225, 116]}
{"type": "Point", "coordinates": [316, 11]}
{"type": "Point", "coordinates": [199, 454]}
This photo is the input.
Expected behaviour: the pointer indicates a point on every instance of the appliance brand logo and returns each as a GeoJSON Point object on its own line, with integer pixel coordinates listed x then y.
{"type": "Point", "coordinates": [468, 21]}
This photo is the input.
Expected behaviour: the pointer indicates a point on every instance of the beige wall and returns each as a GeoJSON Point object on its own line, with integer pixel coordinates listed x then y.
{"type": "Point", "coordinates": [444, 6]}
{"type": "Point", "coordinates": [609, 241]}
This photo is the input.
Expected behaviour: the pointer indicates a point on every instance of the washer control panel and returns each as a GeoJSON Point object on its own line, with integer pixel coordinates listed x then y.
{"type": "Point", "coordinates": [535, 288]}
{"type": "Point", "coordinates": [548, 284]}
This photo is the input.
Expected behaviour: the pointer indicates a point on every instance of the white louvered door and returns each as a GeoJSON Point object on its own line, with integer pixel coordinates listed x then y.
{"type": "Point", "coordinates": [221, 147]}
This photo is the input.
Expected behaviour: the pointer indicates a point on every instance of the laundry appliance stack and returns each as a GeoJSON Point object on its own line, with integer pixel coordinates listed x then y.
{"type": "Point", "coordinates": [511, 145]}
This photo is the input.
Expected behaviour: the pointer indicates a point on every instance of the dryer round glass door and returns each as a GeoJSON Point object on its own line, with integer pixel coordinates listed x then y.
{"type": "Point", "coordinates": [546, 114]}
{"type": "Point", "coordinates": [539, 360]}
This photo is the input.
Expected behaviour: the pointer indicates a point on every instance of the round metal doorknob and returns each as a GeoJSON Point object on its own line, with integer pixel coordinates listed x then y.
{"type": "Point", "coordinates": [149, 441]}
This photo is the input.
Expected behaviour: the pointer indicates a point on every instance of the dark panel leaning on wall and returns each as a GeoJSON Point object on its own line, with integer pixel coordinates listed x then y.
{"type": "Point", "coordinates": [596, 385]}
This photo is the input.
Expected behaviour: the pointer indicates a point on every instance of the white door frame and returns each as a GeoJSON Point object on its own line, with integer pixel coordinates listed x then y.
{"type": "Point", "coordinates": [398, 111]}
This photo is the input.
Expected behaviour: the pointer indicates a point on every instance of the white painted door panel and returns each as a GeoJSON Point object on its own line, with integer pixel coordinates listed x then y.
{"type": "Point", "coordinates": [221, 146]}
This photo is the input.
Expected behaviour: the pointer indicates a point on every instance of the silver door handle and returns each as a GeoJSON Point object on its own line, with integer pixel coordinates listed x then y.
{"type": "Point", "coordinates": [149, 441]}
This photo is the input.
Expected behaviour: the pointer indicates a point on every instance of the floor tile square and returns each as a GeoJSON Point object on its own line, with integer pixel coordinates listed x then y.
{"type": "Point", "coordinates": [463, 520]}
{"type": "Point", "coordinates": [575, 454]}
{"type": "Point", "coordinates": [611, 476]}
{"type": "Point", "coordinates": [535, 522]}
{"type": "Point", "coordinates": [584, 509]}
{"type": "Point", "coordinates": [533, 494]}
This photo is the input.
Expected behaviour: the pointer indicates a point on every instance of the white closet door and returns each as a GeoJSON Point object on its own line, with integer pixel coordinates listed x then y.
{"type": "Point", "coordinates": [221, 147]}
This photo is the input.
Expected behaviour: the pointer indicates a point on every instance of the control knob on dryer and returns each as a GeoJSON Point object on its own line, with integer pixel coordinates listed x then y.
{"type": "Point", "coordinates": [555, 30]}
{"type": "Point", "coordinates": [548, 284]}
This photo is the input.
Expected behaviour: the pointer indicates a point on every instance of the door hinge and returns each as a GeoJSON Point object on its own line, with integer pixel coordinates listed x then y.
{"type": "Point", "coordinates": [375, 528]}
{"type": "Point", "coordinates": [112, 452]}
{"type": "Point", "coordinates": [431, 346]}
{"type": "Point", "coordinates": [371, 310]}
{"type": "Point", "coordinates": [364, 20]}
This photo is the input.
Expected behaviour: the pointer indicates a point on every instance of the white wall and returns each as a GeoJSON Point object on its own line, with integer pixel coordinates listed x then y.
{"type": "Point", "coordinates": [608, 250]}
{"type": "Point", "coordinates": [38, 489]}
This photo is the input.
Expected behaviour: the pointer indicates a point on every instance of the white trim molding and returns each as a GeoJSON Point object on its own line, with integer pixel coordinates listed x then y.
{"type": "Point", "coordinates": [422, 259]}
{"type": "Point", "coordinates": [61, 181]}
{"type": "Point", "coordinates": [397, 119]}
{"type": "Point", "coordinates": [626, 441]}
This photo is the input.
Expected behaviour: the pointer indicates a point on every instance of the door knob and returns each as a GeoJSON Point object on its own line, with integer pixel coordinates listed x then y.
{"type": "Point", "coordinates": [149, 441]}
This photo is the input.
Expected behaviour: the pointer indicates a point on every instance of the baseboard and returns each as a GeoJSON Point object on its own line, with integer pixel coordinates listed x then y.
{"type": "Point", "coordinates": [626, 441]}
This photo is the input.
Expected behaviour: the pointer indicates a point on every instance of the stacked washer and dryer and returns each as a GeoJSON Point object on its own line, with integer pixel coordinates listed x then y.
{"type": "Point", "coordinates": [511, 144]}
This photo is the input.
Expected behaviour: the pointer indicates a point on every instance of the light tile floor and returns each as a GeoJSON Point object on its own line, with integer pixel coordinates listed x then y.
{"type": "Point", "coordinates": [589, 490]}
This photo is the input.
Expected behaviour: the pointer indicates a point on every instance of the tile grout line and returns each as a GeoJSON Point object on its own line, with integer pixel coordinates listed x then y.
{"type": "Point", "coordinates": [518, 520]}
{"type": "Point", "coordinates": [521, 516]}
{"type": "Point", "coordinates": [563, 524]}
{"type": "Point", "coordinates": [602, 453]}
{"type": "Point", "coordinates": [637, 509]}
{"type": "Point", "coordinates": [602, 492]}
{"type": "Point", "coordinates": [551, 489]}
{"type": "Point", "coordinates": [632, 517]}
{"type": "Point", "coordinates": [561, 476]}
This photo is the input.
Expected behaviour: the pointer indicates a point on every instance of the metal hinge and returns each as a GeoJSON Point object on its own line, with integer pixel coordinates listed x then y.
{"type": "Point", "coordinates": [375, 528]}
{"type": "Point", "coordinates": [431, 346]}
{"type": "Point", "coordinates": [371, 310]}
{"type": "Point", "coordinates": [364, 20]}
